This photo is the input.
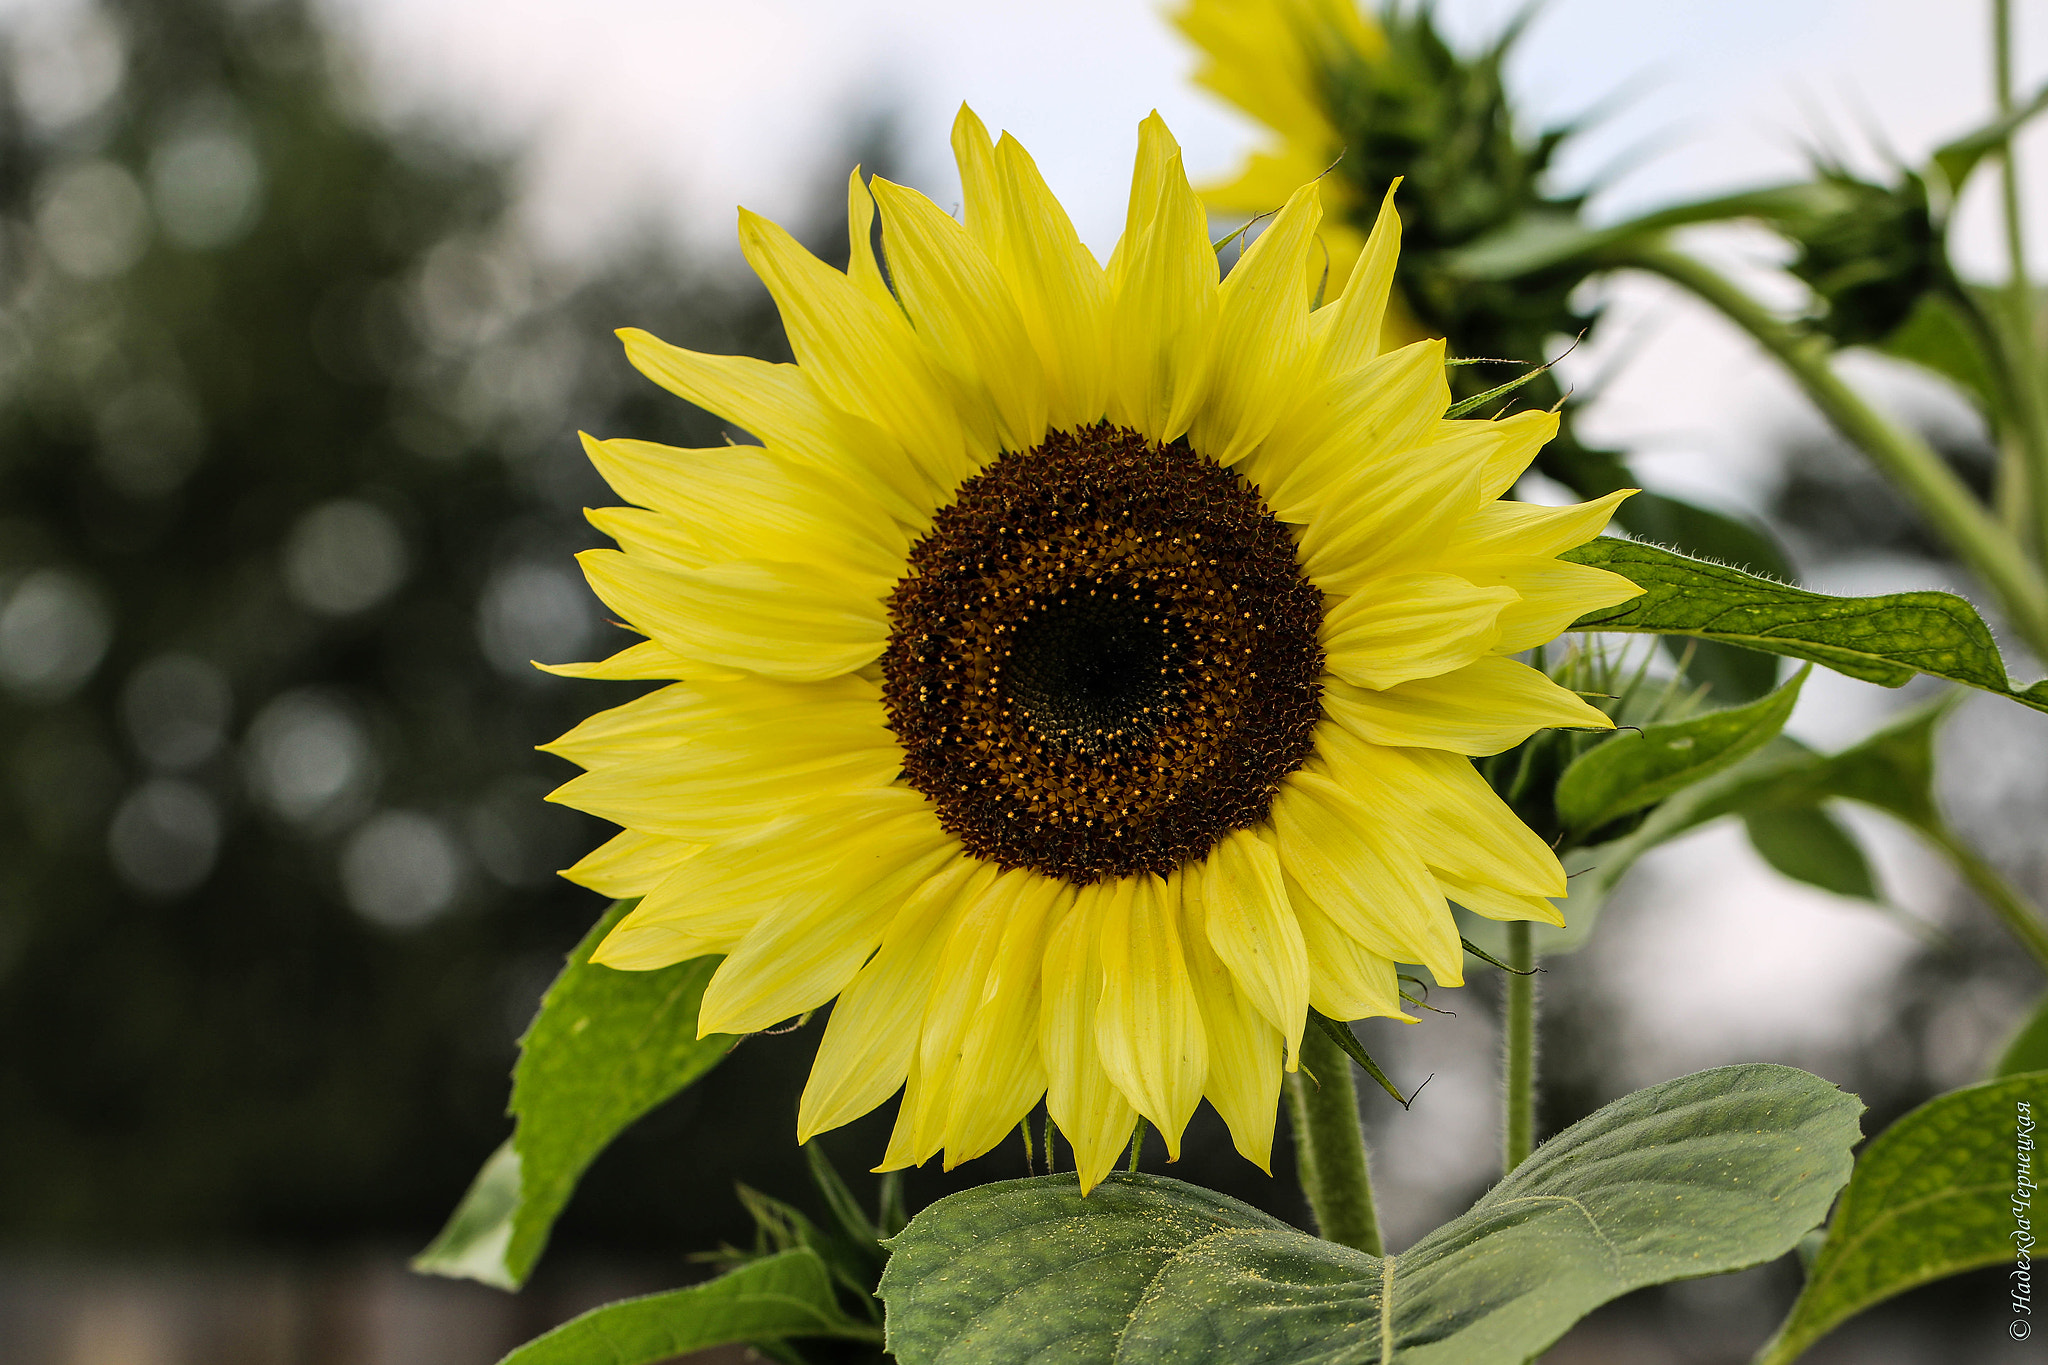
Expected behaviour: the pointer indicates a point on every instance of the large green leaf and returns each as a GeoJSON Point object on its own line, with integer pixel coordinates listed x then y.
{"type": "Point", "coordinates": [1933, 1195]}
{"type": "Point", "coordinates": [606, 1047]}
{"type": "Point", "coordinates": [1809, 845]}
{"type": "Point", "coordinates": [789, 1295]}
{"type": "Point", "coordinates": [1883, 640]}
{"type": "Point", "coordinates": [1694, 1177]}
{"type": "Point", "coordinates": [2027, 1049]}
{"type": "Point", "coordinates": [1655, 763]}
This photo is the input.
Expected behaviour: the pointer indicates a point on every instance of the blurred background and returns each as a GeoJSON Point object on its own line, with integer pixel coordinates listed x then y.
{"type": "Point", "coordinates": [301, 306]}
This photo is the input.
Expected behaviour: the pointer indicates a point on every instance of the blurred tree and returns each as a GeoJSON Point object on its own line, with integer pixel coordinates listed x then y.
{"type": "Point", "coordinates": [288, 493]}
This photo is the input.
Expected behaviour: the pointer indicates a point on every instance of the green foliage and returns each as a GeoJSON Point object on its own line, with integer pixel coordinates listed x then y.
{"type": "Point", "coordinates": [762, 1303]}
{"type": "Point", "coordinates": [2027, 1050]}
{"type": "Point", "coordinates": [1809, 845]}
{"type": "Point", "coordinates": [1933, 1195]}
{"type": "Point", "coordinates": [1632, 771]}
{"type": "Point", "coordinates": [1884, 640]}
{"type": "Point", "coordinates": [606, 1047]}
{"type": "Point", "coordinates": [1937, 336]}
{"type": "Point", "coordinates": [1694, 1177]}
{"type": "Point", "coordinates": [1956, 160]}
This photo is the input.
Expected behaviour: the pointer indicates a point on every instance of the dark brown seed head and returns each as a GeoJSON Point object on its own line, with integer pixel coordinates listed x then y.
{"type": "Point", "coordinates": [1103, 658]}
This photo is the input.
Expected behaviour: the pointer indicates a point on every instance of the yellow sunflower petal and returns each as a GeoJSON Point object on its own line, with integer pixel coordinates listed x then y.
{"type": "Point", "coordinates": [630, 863]}
{"type": "Point", "coordinates": [1494, 903]}
{"type": "Point", "coordinates": [1079, 1095]}
{"type": "Point", "coordinates": [1346, 980]}
{"type": "Point", "coordinates": [1482, 708]}
{"type": "Point", "coordinates": [1366, 426]}
{"type": "Point", "coordinates": [1404, 626]}
{"type": "Point", "coordinates": [1347, 333]}
{"type": "Point", "coordinates": [967, 956]}
{"type": "Point", "coordinates": [808, 944]}
{"type": "Point", "coordinates": [1379, 518]}
{"type": "Point", "coordinates": [861, 266]}
{"type": "Point", "coordinates": [1364, 875]}
{"type": "Point", "coordinates": [782, 620]}
{"type": "Point", "coordinates": [1000, 1074]}
{"type": "Point", "coordinates": [646, 661]}
{"type": "Point", "coordinates": [742, 502]}
{"type": "Point", "coordinates": [861, 354]}
{"type": "Point", "coordinates": [1244, 1048]}
{"type": "Point", "coordinates": [1251, 929]}
{"type": "Point", "coordinates": [1162, 310]}
{"type": "Point", "coordinates": [981, 196]}
{"type": "Point", "coordinates": [1551, 595]}
{"type": "Point", "coordinates": [1149, 1029]}
{"type": "Point", "coordinates": [1061, 291]}
{"type": "Point", "coordinates": [780, 405]}
{"type": "Point", "coordinates": [964, 313]}
{"type": "Point", "coordinates": [1459, 823]}
{"type": "Point", "coordinates": [873, 1033]}
{"type": "Point", "coordinates": [1527, 528]}
{"type": "Point", "coordinates": [1261, 335]}
{"type": "Point", "coordinates": [723, 893]}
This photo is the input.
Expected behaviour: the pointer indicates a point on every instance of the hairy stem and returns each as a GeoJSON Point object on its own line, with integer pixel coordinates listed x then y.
{"type": "Point", "coordinates": [1908, 461]}
{"type": "Point", "coordinates": [1329, 1145]}
{"type": "Point", "coordinates": [2019, 914]}
{"type": "Point", "coordinates": [1518, 1070]}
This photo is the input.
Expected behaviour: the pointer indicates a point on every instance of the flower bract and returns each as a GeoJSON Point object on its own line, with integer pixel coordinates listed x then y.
{"type": "Point", "coordinates": [1078, 681]}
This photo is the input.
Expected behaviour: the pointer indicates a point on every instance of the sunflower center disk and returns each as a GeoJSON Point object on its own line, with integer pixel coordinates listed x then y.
{"type": "Point", "coordinates": [1103, 658]}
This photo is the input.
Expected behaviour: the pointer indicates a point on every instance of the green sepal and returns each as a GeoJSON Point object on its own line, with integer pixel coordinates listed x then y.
{"type": "Point", "coordinates": [1345, 1039]}
{"type": "Point", "coordinates": [1633, 771]}
{"type": "Point", "coordinates": [606, 1047]}
{"type": "Point", "coordinates": [760, 1304]}
{"type": "Point", "coordinates": [1934, 1195]}
{"type": "Point", "coordinates": [1697, 1176]}
{"type": "Point", "coordinates": [1885, 640]}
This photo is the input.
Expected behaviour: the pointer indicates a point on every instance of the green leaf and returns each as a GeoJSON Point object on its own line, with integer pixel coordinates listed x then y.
{"type": "Point", "coordinates": [1885, 640]}
{"type": "Point", "coordinates": [1697, 1176]}
{"type": "Point", "coordinates": [1543, 241]}
{"type": "Point", "coordinates": [1935, 337]}
{"type": "Point", "coordinates": [2028, 1049]}
{"type": "Point", "coordinates": [606, 1047]}
{"type": "Point", "coordinates": [1809, 845]}
{"type": "Point", "coordinates": [784, 1296]}
{"type": "Point", "coordinates": [1632, 771]}
{"type": "Point", "coordinates": [1891, 770]}
{"type": "Point", "coordinates": [1956, 160]}
{"type": "Point", "coordinates": [1933, 1195]}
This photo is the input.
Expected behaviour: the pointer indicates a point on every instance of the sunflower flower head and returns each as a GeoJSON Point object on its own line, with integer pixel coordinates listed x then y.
{"type": "Point", "coordinates": [1370, 101]}
{"type": "Point", "coordinates": [1079, 681]}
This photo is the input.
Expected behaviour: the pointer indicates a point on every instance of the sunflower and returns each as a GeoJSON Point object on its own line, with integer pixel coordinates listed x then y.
{"type": "Point", "coordinates": [1079, 679]}
{"type": "Point", "coordinates": [1275, 59]}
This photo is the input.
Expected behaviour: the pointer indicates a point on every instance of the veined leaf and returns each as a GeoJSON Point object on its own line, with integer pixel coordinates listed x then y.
{"type": "Point", "coordinates": [606, 1047]}
{"type": "Point", "coordinates": [1632, 771]}
{"type": "Point", "coordinates": [2028, 1048]}
{"type": "Point", "coordinates": [1884, 640]}
{"type": "Point", "coordinates": [1934, 1195]}
{"type": "Point", "coordinates": [789, 1295]}
{"type": "Point", "coordinates": [1694, 1177]}
{"type": "Point", "coordinates": [1809, 845]}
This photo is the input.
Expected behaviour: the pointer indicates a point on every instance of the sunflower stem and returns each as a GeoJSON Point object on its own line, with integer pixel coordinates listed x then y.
{"type": "Point", "coordinates": [1927, 481]}
{"type": "Point", "coordinates": [1518, 1072]}
{"type": "Point", "coordinates": [1329, 1145]}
